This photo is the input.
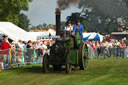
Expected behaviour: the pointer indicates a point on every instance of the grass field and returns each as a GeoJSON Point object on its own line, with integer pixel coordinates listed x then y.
{"type": "Point", "coordinates": [99, 72]}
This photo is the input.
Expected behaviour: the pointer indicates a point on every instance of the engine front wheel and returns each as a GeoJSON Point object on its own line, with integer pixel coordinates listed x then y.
{"type": "Point", "coordinates": [45, 63]}
{"type": "Point", "coordinates": [68, 65]}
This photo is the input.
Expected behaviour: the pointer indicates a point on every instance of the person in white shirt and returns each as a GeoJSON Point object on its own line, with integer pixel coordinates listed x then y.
{"type": "Point", "coordinates": [110, 48]}
{"type": "Point", "coordinates": [39, 52]}
{"type": "Point", "coordinates": [45, 49]}
{"type": "Point", "coordinates": [19, 52]}
{"type": "Point", "coordinates": [25, 46]}
{"type": "Point", "coordinates": [69, 27]}
{"type": "Point", "coordinates": [20, 45]}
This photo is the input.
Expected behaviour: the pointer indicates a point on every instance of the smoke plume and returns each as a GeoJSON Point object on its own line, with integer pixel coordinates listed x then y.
{"type": "Point", "coordinates": [64, 4]}
{"type": "Point", "coordinates": [106, 7]}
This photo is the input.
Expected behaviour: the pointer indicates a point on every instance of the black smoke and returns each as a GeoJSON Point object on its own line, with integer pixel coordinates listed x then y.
{"type": "Point", "coordinates": [107, 7]}
{"type": "Point", "coordinates": [64, 4]}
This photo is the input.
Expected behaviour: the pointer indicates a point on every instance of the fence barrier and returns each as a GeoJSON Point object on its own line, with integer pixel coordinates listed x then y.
{"type": "Point", "coordinates": [17, 56]}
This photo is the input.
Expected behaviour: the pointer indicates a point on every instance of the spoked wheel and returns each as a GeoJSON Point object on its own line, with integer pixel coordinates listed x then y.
{"type": "Point", "coordinates": [68, 65]}
{"type": "Point", "coordinates": [83, 56]}
{"type": "Point", "coordinates": [45, 63]}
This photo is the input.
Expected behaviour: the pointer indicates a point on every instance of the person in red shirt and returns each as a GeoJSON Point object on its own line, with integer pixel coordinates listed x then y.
{"type": "Point", "coordinates": [4, 51]}
{"type": "Point", "coordinates": [5, 44]}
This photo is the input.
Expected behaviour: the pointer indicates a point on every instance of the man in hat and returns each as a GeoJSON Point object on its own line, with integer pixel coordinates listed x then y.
{"type": "Point", "coordinates": [69, 27]}
{"type": "Point", "coordinates": [79, 27]}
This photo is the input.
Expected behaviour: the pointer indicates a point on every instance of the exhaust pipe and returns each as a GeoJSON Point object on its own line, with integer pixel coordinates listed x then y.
{"type": "Point", "coordinates": [58, 21]}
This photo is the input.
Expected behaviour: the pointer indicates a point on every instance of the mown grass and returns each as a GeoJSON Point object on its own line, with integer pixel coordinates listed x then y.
{"type": "Point", "coordinates": [99, 72]}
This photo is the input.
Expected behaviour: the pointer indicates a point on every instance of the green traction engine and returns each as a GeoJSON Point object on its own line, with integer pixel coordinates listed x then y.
{"type": "Point", "coordinates": [68, 51]}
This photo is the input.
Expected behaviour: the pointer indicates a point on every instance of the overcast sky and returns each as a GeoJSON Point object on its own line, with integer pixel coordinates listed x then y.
{"type": "Point", "coordinates": [43, 11]}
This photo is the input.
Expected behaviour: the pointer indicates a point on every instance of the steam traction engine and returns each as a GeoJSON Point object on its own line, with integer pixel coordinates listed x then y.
{"type": "Point", "coordinates": [68, 50]}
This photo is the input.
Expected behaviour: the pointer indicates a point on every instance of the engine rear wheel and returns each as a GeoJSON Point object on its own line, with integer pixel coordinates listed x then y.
{"type": "Point", "coordinates": [83, 56]}
{"type": "Point", "coordinates": [45, 63]}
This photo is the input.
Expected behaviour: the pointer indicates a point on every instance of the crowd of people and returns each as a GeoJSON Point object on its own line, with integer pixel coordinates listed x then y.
{"type": "Point", "coordinates": [22, 51]}
{"type": "Point", "coordinates": [96, 48]}
{"type": "Point", "coordinates": [113, 48]}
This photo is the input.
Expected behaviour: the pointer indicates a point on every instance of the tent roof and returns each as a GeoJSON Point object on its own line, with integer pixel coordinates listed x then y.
{"type": "Point", "coordinates": [50, 31]}
{"type": "Point", "coordinates": [37, 33]}
{"type": "Point", "coordinates": [92, 36]}
{"type": "Point", "coordinates": [14, 32]}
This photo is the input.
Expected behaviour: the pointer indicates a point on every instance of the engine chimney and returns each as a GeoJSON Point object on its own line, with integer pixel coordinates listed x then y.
{"type": "Point", "coordinates": [58, 21]}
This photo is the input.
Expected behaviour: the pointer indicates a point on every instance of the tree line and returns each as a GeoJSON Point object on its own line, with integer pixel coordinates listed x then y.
{"type": "Point", "coordinates": [11, 11]}
{"type": "Point", "coordinates": [103, 16]}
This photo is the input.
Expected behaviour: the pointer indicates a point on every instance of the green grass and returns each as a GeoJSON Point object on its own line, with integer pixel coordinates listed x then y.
{"type": "Point", "coordinates": [99, 72]}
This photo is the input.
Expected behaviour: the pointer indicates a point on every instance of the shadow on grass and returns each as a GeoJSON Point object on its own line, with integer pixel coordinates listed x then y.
{"type": "Point", "coordinates": [39, 69]}
{"type": "Point", "coordinates": [96, 66]}
{"type": "Point", "coordinates": [35, 69]}
{"type": "Point", "coordinates": [27, 68]}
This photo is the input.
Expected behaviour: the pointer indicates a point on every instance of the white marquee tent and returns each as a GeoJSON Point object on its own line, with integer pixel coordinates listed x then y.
{"type": "Point", "coordinates": [15, 33]}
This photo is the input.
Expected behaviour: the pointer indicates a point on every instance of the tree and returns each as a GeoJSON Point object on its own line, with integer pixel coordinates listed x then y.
{"type": "Point", "coordinates": [74, 17]}
{"type": "Point", "coordinates": [44, 25]}
{"type": "Point", "coordinates": [24, 22]}
{"type": "Point", "coordinates": [113, 8]}
{"type": "Point", "coordinates": [10, 10]}
{"type": "Point", "coordinates": [102, 15]}
{"type": "Point", "coordinates": [33, 27]}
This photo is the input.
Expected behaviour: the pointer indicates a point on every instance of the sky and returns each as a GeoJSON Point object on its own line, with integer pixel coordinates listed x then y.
{"type": "Point", "coordinates": [43, 11]}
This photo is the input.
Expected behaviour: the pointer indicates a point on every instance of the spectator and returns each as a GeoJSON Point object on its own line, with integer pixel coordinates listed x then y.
{"type": "Point", "coordinates": [5, 46]}
{"type": "Point", "coordinates": [29, 44]}
{"type": "Point", "coordinates": [110, 48]}
{"type": "Point", "coordinates": [25, 46]}
{"type": "Point", "coordinates": [39, 52]}
{"type": "Point", "coordinates": [45, 48]}
{"type": "Point", "coordinates": [96, 48]}
{"type": "Point", "coordinates": [34, 45]}
{"type": "Point", "coordinates": [29, 57]}
{"type": "Point", "coordinates": [19, 51]}
{"type": "Point", "coordinates": [106, 51]}
{"type": "Point", "coordinates": [117, 45]}
{"type": "Point", "coordinates": [122, 49]}
{"type": "Point", "coordinates": [20, 44]}
{"type": "Point", "coordinates": [92, 50]}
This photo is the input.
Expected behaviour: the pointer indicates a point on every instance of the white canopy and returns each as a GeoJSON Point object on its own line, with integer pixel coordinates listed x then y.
{"type": "Point", "coordinates": [37, 33]}
{"type": "Point", "coordinates": [15, 33]}
{"type": "Point", "coordinates": [50, 31]}
{"type": "Point", "coordinates": [43, 34]}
